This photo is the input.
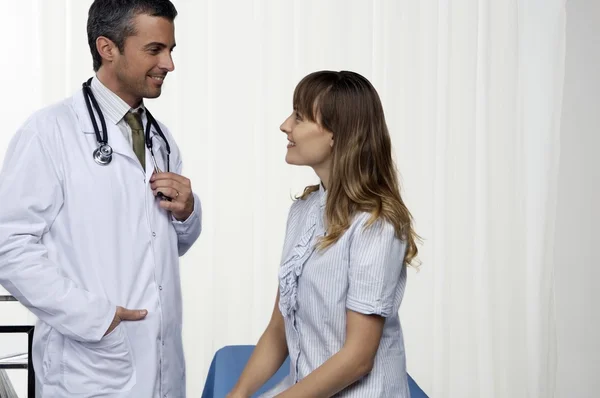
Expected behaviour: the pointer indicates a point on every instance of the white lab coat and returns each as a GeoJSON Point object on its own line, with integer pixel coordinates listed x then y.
{"type": "Point", "coordinates": [78, 239]}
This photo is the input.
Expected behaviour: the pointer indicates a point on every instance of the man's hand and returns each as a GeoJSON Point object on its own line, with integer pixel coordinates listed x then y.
{"type": "Point", "coordinates": [123, 314]}
{"type": "Point", "coordinates": [179, 189]}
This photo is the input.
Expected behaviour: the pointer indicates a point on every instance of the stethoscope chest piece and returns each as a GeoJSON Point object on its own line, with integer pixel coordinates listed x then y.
{"type": "Point", "coordinates": [103, 154]}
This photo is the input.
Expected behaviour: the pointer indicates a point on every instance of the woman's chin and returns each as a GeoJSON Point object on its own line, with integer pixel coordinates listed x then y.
{"type": "Point", "coordinates": [289, 159]}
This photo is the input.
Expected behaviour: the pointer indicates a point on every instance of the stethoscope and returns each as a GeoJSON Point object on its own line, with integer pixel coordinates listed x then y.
{"type": "Point", "coordinates": [103, 153]}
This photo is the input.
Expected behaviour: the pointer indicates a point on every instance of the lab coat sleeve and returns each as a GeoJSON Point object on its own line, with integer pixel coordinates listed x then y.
{"type": "Point", "coordinates": [31, 195]}
{"type": "Point", "coordinates": [189, 230]}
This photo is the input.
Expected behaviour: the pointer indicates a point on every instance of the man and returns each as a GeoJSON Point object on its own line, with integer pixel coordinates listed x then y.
{"type": "Point", "coordinates": [90, 242]}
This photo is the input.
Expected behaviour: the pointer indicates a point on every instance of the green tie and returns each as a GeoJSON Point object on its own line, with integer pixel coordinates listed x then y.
{"type": "Point", "coordinates": [134, 120]}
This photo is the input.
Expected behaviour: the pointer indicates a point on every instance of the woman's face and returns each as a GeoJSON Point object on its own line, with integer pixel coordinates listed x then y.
{"type": "Point", "coordinates": [309, 144]}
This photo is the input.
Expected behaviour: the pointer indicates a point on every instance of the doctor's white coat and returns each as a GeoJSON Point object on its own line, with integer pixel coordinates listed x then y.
{"type": "Point", "coordinates": [78, 239]}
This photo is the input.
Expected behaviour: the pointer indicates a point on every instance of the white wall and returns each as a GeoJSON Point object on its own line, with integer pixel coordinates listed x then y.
{"type": "Point", "coordinates": [577, 253]}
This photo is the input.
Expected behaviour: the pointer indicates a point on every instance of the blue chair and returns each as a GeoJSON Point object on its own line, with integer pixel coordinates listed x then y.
{"type": "Point", "coordinates": [228, 364]}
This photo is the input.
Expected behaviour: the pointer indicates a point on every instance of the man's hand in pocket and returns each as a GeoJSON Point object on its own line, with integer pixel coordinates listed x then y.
{"type": "Point", "coordinates": [123, 314]}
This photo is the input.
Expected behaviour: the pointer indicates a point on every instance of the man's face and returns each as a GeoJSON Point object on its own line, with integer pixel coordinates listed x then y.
{"type": "Point", "coordinates": [146, 59]}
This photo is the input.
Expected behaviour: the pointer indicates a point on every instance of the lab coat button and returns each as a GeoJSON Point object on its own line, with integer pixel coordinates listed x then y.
{"type": "Point", "coordinates": [154, 234]}
{"type": "Point", "coordinates": [160, 288]}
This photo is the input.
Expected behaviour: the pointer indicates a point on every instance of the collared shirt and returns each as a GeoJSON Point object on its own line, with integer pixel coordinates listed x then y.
{"type": "Point", "coordinates": [114, 108]}
{"type": "Point", "coordinates": [363, 271]}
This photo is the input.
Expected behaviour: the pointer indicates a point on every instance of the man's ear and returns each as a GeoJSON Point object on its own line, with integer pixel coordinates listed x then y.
{"type": "Point", "coordinates": [106, 48]}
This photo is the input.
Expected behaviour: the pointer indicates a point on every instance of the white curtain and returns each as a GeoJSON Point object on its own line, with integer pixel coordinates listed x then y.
{"type": "Point", "coordinates": [472, 91]}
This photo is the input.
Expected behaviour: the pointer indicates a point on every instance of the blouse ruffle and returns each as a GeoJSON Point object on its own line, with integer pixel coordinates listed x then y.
{"type": "Point", "coordinates": [291, 268]}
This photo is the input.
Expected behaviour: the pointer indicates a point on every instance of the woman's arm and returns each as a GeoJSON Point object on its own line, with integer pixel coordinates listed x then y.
{"type": "Point", "coordinates": [270, 352]}
{"type": "Point", "coordinates": [353, 361]}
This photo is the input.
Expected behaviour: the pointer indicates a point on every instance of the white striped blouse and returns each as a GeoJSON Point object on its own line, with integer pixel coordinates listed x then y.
{"type": "Point", "coordinates": [363, 271]}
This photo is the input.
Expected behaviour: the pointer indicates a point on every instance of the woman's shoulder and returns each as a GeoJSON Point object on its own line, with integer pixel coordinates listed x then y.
{"type": "Point", "coordinates": [363, 222]}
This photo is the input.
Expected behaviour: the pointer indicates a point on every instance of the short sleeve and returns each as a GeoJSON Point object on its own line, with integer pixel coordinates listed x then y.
{"type": "Point", "coordinates": [376, 273]}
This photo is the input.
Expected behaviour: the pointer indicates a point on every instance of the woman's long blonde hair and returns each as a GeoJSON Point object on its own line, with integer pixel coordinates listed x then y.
{"type": "Point", "coordinates": [363, 175]}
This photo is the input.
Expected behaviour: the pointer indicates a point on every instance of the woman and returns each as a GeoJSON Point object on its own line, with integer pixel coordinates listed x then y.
{"type": "Point", "coordinates": [348, 242]}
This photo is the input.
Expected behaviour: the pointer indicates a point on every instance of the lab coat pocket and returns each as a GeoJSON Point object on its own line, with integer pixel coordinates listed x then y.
{"type": "Point", "coordinates": [105, 366]}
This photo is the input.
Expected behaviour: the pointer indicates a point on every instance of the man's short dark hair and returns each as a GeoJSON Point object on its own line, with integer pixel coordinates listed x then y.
{"type": "Point", "coordinates": [114, 19]}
